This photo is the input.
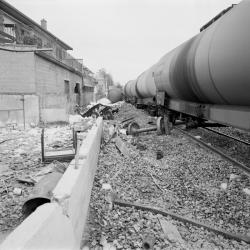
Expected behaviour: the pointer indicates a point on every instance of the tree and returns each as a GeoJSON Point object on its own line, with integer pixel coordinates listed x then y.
{"type": "Point", "coordinates": [105, 80]}
{"type": "Point", "coordinates": [118, 85]}
{"type": "Point", "coordinates": [106, 77]}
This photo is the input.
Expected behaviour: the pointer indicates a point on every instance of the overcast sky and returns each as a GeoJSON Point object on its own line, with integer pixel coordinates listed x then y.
{"type": "Point", "coordinates": [123, 36]}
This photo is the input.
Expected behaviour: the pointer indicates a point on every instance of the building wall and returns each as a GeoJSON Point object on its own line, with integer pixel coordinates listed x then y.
{"type": "Point", "coordinates": [17, 75]}
{"type": "Point", "coordinates": [18, 102]}
{"type": "Point", "coordinates": [33, 88]}
{"type": "Point", "coordinates": [87, 96]}
{"type": "Point", "coordinates": [55, 102]}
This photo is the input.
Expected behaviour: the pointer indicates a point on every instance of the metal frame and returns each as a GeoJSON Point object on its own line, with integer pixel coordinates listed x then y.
{"type": "Point", "coordinates": [59, 155]}
{"type": "Point", "coordinates": [235, 116]}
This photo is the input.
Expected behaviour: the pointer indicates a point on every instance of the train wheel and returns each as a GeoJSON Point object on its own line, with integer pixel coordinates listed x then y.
{"type": "Point", "coordinates": [132, 128]}
{"type": "Point", "coordinates": [160, 126]}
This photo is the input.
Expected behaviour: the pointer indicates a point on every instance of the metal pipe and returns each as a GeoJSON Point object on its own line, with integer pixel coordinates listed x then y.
{"type": "Point", "coordinates": [134, 129]}
{"type": "Point", "coordinates": [42, 144]}
{"type": "Point", "coordinates": [141, 130]}
{"type": "Point", "coordinates": [22, 99]}
{"type": "Point", "coordinates": [42, 193]}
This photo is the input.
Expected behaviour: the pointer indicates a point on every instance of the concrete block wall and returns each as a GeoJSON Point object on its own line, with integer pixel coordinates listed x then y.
{"type": "Point", "coordinates": [26, 73]}
{"type": "Point", "coordinates": [87, 97]}
{"type": "Point", "coordinates": [17, 74]}
{"type": "Point", "coordinates": [60, 224]}
{"type": "Point", "coordinates": [50, 86]}
{"type": "Point", "coordinates": [19, 109]}
{"type": "Point", "coordinates": [31, 109]}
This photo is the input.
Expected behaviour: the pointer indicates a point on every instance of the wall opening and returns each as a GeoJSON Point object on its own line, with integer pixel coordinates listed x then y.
{"type": "Point", "coordinates": [77, 91]}
{"type": "Point", "coordinates": [77, 88]}
{"type": "Point", "coordinates": [67, 89]}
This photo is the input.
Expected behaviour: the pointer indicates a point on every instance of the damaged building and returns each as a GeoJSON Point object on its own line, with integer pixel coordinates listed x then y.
{"type": "Point", "coordinates": [39, 80]}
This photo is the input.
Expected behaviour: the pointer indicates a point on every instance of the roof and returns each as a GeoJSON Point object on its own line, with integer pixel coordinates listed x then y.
{"type": "Point", "coordinates": [12, 11]}
{"type": "Point", "coordinates": [87, 69]}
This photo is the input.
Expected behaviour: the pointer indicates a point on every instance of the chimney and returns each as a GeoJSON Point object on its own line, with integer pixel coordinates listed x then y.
{"type": "Point", "coordinates": [44, 24]}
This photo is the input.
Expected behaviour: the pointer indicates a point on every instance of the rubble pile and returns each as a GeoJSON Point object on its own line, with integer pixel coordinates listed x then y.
{"type": "Point", "coordinates": [21, 167]}
{"type": "Point", "coordinates": [168, 173]}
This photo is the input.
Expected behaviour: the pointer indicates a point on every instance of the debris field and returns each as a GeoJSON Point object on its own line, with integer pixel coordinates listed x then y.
{"type": "Point", "coordinates": [21, 168]}
{"type": "Point", "coordinates": [147, 189]}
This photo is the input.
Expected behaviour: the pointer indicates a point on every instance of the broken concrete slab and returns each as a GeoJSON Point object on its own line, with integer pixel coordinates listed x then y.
{"type": "Point", "coordinates": [171, 232]}
{"type": "Point", "coordinates": [121, 146]}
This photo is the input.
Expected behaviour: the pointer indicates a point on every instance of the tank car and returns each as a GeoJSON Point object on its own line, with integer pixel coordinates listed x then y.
{"type": "Point", "coordinates": [206, 77]}
{"type": "Point", "coordinates": [114, 94]}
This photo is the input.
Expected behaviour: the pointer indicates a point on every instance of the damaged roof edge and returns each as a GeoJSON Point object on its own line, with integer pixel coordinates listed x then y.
{"type": "Point", "coordinates": [12, 11]}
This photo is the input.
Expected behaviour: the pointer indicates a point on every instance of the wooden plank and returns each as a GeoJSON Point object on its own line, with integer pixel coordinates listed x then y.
{"type": "Point", "coordinates": [121, 146]}
{"type": "Point", "coordinates": [59, 153]}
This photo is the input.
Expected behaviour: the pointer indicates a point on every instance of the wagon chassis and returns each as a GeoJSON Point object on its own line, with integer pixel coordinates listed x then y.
{"type": "Point", "coordinates": [197, 114]}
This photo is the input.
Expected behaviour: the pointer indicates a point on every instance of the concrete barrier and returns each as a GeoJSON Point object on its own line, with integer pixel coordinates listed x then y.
{"type": "Point", "coordinates": [74, 189]}
{"type": "Point", "coordinates": [46, 228]}
{"type": "Point", "coordinates": [60, 224]}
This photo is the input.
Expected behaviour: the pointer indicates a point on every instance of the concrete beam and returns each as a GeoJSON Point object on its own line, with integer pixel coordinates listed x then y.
{"type": "Point", "coordinates": [46, 228]}
{"type": "Point", "coordinates": [74, 189]}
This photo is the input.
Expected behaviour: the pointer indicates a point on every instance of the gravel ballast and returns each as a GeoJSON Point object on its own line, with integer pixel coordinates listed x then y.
{"type": "Point", "coordinates": [188, 180]}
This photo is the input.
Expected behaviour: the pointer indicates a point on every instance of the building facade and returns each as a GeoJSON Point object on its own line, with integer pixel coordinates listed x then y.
{"type": "Point", "coordinates": [39, 80]}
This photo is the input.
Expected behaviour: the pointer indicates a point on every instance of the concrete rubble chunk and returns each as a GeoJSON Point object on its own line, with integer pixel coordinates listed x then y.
{"type": "Point", "coordinates": [198, 137]}
{"type": "Point", "coordinates": [106, 186]}
{"type": "Point", "coordinates": [234, 177]}
{"type": "Point", "coordinates": [171, 232]}
{"type": "Point", "coordinates": [246, 191]}
{"type": "Point", "coordinates": [17, 191]}
{"type": "Point", "coordinates": [123, 131]}
{"type": "Point", "coordinates": [106, 245]}
{"type": "Point", "coordinates": [223, 186]}
{"type": "Point", "coordinates": [4, 169]}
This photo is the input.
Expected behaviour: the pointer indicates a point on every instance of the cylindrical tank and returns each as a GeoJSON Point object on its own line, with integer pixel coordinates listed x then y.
{"type": "Point", "coordinates": [145, 84]}
{"type": "Point", "coordinates": [114, 94]}
{"type": "Point", "coordinates": [126, 89]}
{"type": "Point", "coordinates": [129, 89]}
{"type": "Point", "coordinates": [222, 58]}
{"type": "Point", "coordinates": [212, 67]}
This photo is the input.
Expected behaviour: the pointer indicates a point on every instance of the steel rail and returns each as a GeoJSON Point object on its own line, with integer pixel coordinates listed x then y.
{"type": "Point", "coordinates": [228, 136]}
{"type": "Point", "coordinates": [245, 168]}
{"type": "Point", "coordinates": [184, 219]}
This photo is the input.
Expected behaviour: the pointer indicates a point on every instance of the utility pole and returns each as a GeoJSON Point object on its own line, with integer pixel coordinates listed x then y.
{"type": "Point", "coordinates": [106, 86]}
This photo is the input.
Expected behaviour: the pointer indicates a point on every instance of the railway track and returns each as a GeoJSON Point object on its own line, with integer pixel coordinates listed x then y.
{"type": "Point", "coordinates": [186, 183]}
{"type": "Point", "coordinates": [228, 136]}
{"type": "Point", "coordinates": [228, 158]}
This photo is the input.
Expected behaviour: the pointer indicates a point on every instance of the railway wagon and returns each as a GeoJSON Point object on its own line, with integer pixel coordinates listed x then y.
{"type": "Point", "coordinates": [206, 77]}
